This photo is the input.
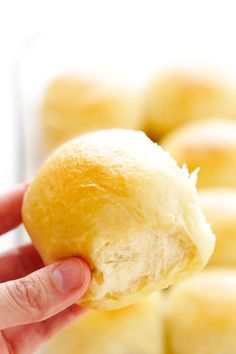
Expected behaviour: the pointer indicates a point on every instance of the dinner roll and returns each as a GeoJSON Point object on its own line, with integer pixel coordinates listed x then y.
{"type": "Point", "coordinates": [175, 98]}
{"type": "Point", "coordinates": [119, 201]}
{"type": "Point", "coordinates": [210, 145]}
{"type": "Point", "coordinates": [201, 314]}
{"type": "Point", "coordinates": [219, 208]}
{"type": "Point", "coordinates": [73, 106]}
{"type": "Point", "coordinates": [134, 329]}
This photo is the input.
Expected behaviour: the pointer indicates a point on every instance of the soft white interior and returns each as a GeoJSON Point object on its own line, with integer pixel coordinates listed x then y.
{"type": "Point", "coordinates": [147, 259]}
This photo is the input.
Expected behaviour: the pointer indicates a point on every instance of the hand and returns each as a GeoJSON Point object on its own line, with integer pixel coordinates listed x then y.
{"type": "Point", "coordinates": [35, 301]}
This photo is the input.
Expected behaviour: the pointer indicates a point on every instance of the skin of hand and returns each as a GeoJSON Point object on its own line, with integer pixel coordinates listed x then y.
{"type": "Point", "coordinates": [35, 301]}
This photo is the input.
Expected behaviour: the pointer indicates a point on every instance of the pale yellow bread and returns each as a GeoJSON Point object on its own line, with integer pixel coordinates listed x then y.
{"type": "Point", "coordinates": [119, 201]}
{"type": "Point", "coordinates": [219, 208]}
{"type": "Point", "coordinates": [210, 145]}
{"type": "Point", "coordinates": [175, 98]}
{"type": "Point", "coordinates": [73, 106]}
{"type": "Point", "coordinates": [201, 314]}
{"type": "Point", "coordinates": [134, 329]}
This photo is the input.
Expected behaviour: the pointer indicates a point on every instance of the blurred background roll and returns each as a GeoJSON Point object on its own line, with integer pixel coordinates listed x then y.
{"type": "Point", "coordinates": [175, 98]}
{"type": "Point", "coordinates": [201, 314]}
{"type": "Point", "coordinates": [219, 208]}
{"type": "Point", "coordinates": [210, 145]}
{"type": "Point", "coordinates": [133, 330]}
{"type": "Point", "coordinates": [73, 106]}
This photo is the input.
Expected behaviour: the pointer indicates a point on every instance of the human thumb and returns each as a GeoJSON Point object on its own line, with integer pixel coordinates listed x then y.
{"type": "Point", "coordinates": [43, 293]}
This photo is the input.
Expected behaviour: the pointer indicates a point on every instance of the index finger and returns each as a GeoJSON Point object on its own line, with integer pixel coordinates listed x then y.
{"type": "Point", "coordinates": [19, 262]}
{"type": "Point", "coordinates": [10, 208]}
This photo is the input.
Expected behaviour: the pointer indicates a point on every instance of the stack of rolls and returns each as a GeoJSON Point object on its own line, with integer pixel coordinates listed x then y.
{"type": "Point", "coordinates": [134, 214]}
{"type": "Point", "coordinates": [200, 311]}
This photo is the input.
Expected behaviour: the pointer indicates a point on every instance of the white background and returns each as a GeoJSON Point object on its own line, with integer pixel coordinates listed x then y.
{"type": "Point", "coordinates": [201, 32]}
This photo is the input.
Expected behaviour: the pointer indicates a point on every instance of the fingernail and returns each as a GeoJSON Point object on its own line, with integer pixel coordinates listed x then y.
{"type": "Point", "coordinates": [68, 275]}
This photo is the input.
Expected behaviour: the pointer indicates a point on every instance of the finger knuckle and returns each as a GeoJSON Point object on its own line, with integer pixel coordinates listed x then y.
{"type": "Point", "coordinates": [31, 297]}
